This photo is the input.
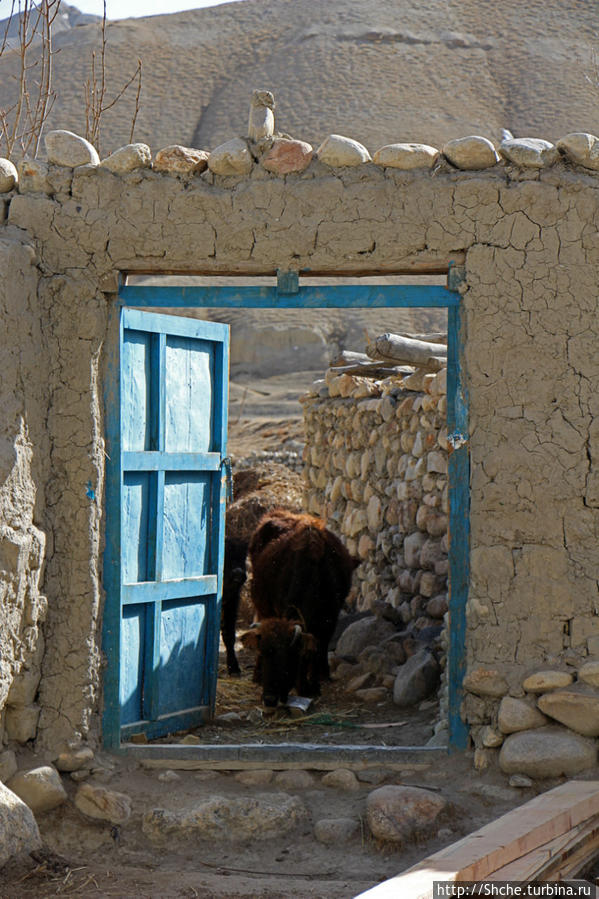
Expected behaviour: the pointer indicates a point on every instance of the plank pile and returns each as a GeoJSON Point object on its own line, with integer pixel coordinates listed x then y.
{"type": "Point", "coordinates": [552, 837]}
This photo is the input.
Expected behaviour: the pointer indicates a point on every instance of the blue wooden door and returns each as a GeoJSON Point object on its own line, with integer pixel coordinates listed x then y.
{"type": "Point", "coordinates": [167, 536]}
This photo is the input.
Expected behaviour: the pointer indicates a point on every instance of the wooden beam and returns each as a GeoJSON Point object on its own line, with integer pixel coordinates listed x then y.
{"type": "Point", "coordinates": [497, 844]}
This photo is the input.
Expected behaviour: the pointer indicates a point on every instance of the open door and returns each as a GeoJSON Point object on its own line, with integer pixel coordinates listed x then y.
{"type": "Point", "coordinates": [165, 528]}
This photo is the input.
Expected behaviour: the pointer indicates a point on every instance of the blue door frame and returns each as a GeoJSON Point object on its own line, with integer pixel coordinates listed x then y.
{"type": "Point", "coordinates": [330, 297]}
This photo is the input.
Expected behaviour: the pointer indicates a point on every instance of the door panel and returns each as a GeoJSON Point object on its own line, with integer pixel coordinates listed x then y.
{"type": "Point", "coordinates": [173, 409]}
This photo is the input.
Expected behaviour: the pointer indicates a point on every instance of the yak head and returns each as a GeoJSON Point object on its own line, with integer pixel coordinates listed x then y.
{"type": "Point", "coordinates": [285, 656]}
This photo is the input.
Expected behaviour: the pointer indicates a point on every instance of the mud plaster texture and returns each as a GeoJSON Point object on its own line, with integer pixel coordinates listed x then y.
{"type": "Point", "coordinates": [530, 244]}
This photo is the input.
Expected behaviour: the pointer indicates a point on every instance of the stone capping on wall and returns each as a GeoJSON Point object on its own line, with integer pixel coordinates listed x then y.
{"type": "Point", "coordinates": [281, 155]}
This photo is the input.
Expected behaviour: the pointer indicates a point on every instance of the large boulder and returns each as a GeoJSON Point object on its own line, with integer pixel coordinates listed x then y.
{"type": "Point", "coordinates": [41, 788]}
{"type": "Point", "coordinates": [517, 714]}
{"type": "Point", "coordinates": [577, 707]}
{"type": "Point", "coordinates": [18, 830]}
{"type": "Point", "coordinates": [547, 752]}
{"type": "Point", "coordinates": [416, 679]}
{"type": "Point", "coordinates": [369, 631]}
{"type": "Point", "coordinates": [399, 814]}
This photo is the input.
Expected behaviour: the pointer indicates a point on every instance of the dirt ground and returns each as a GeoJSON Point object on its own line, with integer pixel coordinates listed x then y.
{"type": "Point", "coordinates": [97, 859]}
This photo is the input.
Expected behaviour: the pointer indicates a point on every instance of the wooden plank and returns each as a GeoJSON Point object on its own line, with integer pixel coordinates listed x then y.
{"type": "Point", "coordinates": [498, 843]}
{"type": "Point", "coordinates": [558, 856]}
{"type": "Point", "coordinates": [427, 264]}
{"type": "Point", "coordinates": [155, 591]}
{"type": "Point", "coordinates": [283, 756]}
{"type": "Point", "coordinates": [155, 461]}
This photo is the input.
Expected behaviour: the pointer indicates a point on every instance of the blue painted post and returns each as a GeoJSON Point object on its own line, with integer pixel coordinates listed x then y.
{"type": "Point", "coordinates": [459, 524]}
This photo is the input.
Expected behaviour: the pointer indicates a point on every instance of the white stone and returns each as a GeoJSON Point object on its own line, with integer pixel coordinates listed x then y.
{"type": "Point", "coordinates": [127, 159]}
{"type": "Point", "coordinates": [19, 833]}
{"type": "Point", "coordinates": [261, 122]}
{"type": "Point", "coordinates": [9, 176]}
{"type": "Point", "coordinates": [231, 158]}
{"type": "Point", "coordinates": [589, 673]}
{"type": "Point", "coordinates": [543, 681]}
{"type": "Point", "coordinates": [529, 152]}
{"type": "Point", "coordinates": [400, 814]}
{"type": "Point", "coordinates": [41, 788]}
{"type": "Point", "coordinates": [338, 150]}
{"type": "Point", "coordinates": [581, 148]}
{"type": "Point", "coordinates": [228, 819]}
{"type": "Point", "coordinates": [547, 752]}
{"type": "Point", "coordinates": [473, 152]}
{"type": "Point", "coordinates": [516, 714]}
{"type": "Point", "coordinates": [406, 156]}
{"type": "Point", "coordinates": [577, 707]}
{"type": "Point", "coordinates": [180, 160]}
{"type": "Point", "coordinates": [102, 804]}
{"type": "Point", "coordinates": [68, 149]}
{"type": "Point", "coordinates": [521, 781]}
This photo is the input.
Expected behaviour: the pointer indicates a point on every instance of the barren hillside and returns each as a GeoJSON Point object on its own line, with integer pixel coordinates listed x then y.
{"type": "Point", "coordinates": [379, 72]}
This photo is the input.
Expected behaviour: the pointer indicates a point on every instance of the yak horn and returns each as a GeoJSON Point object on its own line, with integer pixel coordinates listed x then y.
{"type": "Point", "coordinates": [297, 630]}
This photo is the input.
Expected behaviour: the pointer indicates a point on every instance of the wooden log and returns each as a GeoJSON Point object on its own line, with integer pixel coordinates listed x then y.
{"type": "Point", "coordinates": [404, 350]}
{"type": "Point", "coordinates": [375, 370]}
{"type": "Point", "coordinates": [349, 357]}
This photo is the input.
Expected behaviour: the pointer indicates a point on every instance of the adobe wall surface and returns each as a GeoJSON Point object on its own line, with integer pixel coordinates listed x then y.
{"type": "Point", "coordinates": [529, 238]}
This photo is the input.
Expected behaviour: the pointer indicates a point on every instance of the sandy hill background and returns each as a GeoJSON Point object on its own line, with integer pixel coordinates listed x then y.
{"type": "Point", "coordinates": [382, 71]}
{"type": "Point", "coordinates": [376, 70]}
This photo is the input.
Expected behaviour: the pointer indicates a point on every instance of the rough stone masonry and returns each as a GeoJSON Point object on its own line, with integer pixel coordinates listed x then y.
{"type": "Point", "coordinates": [523, 219]}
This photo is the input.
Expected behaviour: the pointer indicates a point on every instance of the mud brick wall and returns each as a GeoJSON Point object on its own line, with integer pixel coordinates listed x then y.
{"type": "Point", "coordinates": [524, 223]}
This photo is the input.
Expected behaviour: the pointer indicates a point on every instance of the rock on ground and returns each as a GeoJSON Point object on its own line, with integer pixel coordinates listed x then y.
{"type": "Point", "coordinates": [399, 814]}
{"type": "Point", "coordinates": [547, 752]}
{"type": "Point", "coordinates": [294, 780]}
{"type": "Point", "coordinates": [360, 634]}
{"type": "Point", "coordinates": [228, 819]}
{"type": "Point", "coordinates": [18, 829]}
{"type": "Point", "coordinates": [74, 759]}
{"type": "Point", "coordinates": [336, 831]}
{"type": "Point", "coordinates": [341, 779]}
{"type": "Point", "coordinates": [105, 805]}
{"type": "Point", "coordinates": [416, 679]}
{"type": "Point", "coordinates": [41, 788]}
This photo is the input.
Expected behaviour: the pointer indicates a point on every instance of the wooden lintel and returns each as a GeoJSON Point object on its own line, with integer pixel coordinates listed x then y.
{"type": "Point", "coordinates": [418, 266]}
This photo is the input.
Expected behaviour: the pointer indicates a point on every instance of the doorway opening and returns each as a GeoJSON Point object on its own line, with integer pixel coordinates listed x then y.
{"type": "Point", "coordinates": [309, 323]}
